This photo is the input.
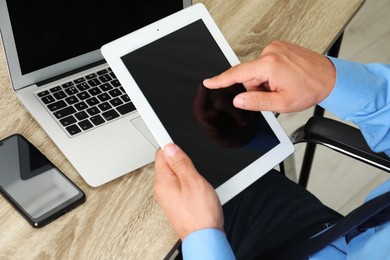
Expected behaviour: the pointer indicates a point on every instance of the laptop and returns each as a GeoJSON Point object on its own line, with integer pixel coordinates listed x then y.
{"type": "Point", "coordinates": [162, 67]}
{"type": "Point", "coordinates": [58, 73]}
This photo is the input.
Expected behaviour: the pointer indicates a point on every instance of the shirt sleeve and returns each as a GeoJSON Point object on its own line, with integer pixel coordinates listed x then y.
{"type": "Point", "coordinates": [362, 95]}
{"type": "Point", "coordinates": [207, 244]}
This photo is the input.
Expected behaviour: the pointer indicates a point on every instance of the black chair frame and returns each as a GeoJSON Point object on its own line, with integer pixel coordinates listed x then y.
{"type": "Point", "coordinates": [338, 136]}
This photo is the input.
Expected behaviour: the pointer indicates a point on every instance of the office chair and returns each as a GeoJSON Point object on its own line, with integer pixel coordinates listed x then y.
{"type": "Point", "coordinates": [335, 135]}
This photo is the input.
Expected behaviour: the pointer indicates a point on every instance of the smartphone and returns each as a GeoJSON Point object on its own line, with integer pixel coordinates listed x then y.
{"type": "Point", "coordinates": [33, 185]}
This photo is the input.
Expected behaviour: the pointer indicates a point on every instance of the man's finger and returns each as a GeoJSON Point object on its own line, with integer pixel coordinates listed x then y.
{"type": "Point", "coordinates": [180, 164]}
{"type": "Point", "coordinates": [165, 180]}
{"type": "Point", "coordinates": [261, 101]}
{"type": "Point", "coordinates": [242, 73]}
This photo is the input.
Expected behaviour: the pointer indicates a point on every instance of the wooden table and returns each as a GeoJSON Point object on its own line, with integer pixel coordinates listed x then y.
{"type": "Point", "coordinates": [121, 220]}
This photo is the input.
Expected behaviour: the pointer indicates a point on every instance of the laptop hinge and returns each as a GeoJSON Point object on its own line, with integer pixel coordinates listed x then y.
{"type": "Point", "coordinates": [63, 75]}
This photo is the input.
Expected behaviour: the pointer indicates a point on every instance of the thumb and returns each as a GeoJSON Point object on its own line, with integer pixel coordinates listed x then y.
{"type": "Point", "coordinates": [180, 163]}
{"type": "Point", "coordinates": [166, 183]}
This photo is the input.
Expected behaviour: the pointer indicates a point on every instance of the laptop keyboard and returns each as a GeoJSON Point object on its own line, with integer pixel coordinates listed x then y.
{"type": "Point", "coordinates": [87, 102]}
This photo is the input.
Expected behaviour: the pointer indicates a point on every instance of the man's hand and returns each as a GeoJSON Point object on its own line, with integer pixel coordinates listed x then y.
{"type": "Point", "coordinates": [285, 78]}
{"type": "Point", "coordinates": [189, 202]}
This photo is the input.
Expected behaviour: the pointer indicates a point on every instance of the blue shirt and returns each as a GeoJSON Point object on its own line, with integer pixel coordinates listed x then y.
{"type": "Point", "coordinates": [361, 95]}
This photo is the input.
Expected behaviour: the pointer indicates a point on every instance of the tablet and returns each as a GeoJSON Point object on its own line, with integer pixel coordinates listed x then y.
{"type": "Point", "coordinates": [162, 66]}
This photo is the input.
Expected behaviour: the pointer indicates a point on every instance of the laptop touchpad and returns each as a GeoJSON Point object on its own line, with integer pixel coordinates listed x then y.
{"type": "Point", "coordinates": [142, 127]}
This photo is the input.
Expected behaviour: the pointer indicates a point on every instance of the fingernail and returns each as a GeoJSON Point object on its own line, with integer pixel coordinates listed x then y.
{"type": "Point", "coordinates": [170, 150]}
{"type": "Point", "coordinates": [206, 81]}
{"type": "Point", "coordinates": [238, 101]}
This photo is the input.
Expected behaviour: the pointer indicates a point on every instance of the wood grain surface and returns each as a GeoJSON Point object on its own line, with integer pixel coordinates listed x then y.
{"type": "Point", "coordinates": [121, 220]}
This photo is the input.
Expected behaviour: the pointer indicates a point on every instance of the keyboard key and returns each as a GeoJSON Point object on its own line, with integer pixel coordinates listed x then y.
{"type": "Point", "coordinates": [92, 101]}
{"type": "Point", "coordinates": [64, 112]}
{"type": "Point", "coordinates": [112, 75]}
{"type": "Point", "coordinates": [105, 78]}
{"type": "Point", "coordinates": [72, 100]}
{"type": "Point", "coordinates": [95, 91]}
{"type": "Point", "coordinates": [81, 106]}
{"type": "Point", "coordinates": [91, 76]}
{"type": "Point", "coordinates": [73, 129]}
{"type": "Point", "coordinates": [105, 87]}
{"type": "Point", "coordinates": [67, 84]}
{"type": "Point", "coordinates": [82, 86]}
{"type": "Point", "coordinates": [94, 82]}
{"type": "Point", "coordinates": [115, 83]}
{"type": "Point", "coordinates": [55, 89]}
{"type": "Point", "coordinates": [104, 97]}
{"type": "Point", "coordinates": [47, 100]}
{"type": "Point", "coordinates": [71, 91]}
{"type": "Point", "coordinates": [93, 111]}
{"type": "Point", "coordinates": [81, 115]}
{"type": "Point", "coordinates": [83, 95]}
{"type": "Point", "coordinates": [79, 80]}
{"type": "Point", "coordinates": [56, 105]}
{"type": "Point", "coordinates": [126, 108]}
{"type": "Point", "coordinates": [97, 120]}
{"type": "Point", "coordinates": [43, 93]}
{"type": "Point", "coordinates": [115, 92]}
{"type": "Point", "coordinates": [125, 98]}
{"type": "Point", "coordinates": [102, 72]}
{"type": "Point", "coordinates": [85, 124]}
{"type": "Point", "coordinates": [68, 121]}
{"type": "Point", "coordinates": [59, 95]}
{"type": "Point", "coordinates": [109, 115]}
{"type": "Point", "coordinates": [116, 102]}
{"type": "Point", "coordinates": [104, 106]}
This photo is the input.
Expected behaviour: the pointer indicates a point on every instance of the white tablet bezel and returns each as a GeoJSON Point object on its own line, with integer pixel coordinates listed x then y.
{"type": "Point", "coordinates": [114, 51]}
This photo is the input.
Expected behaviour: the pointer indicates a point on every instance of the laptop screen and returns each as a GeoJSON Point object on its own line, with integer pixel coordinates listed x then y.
{"type": "Point", "coordinates": [47, 32]}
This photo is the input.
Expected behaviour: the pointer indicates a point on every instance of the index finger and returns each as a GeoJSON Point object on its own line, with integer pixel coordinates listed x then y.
{"type": "Point", "coordinates": [241, 73]}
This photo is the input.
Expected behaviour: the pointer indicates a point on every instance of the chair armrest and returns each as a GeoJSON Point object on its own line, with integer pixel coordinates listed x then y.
{"type": "Point", "coordinates": [340, 137]}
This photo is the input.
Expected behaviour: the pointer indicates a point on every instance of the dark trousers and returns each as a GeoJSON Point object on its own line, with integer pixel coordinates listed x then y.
{"type": "Point", "coordinates": [273, 212]}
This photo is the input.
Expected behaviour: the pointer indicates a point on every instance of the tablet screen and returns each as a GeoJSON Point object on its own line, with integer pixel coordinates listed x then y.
{"type": "Point", "coordinates": [220, 139]}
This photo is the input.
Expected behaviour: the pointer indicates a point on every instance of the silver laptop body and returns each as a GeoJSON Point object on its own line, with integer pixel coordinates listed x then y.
{"type": "Point", "coordinates": [55, 65]}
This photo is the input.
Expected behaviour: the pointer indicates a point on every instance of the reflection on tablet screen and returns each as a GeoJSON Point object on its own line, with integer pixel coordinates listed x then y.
{"type": "Point", "coordinates": [220, 139]}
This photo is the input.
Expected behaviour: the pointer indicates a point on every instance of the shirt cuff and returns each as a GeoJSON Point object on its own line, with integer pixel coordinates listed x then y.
{"type": "Point", "coordinates": [352, 90]}
{"type": "Point", "coordinates": [207, 244]}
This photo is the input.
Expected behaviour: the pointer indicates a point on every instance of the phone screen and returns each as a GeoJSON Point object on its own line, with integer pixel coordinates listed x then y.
{"type": "Point", "coordinates": [32, 184]}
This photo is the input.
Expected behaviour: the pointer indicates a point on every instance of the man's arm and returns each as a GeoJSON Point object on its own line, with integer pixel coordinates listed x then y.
{"type": "Point", "coordinates": [362, 95]}
{"type": "Point", "coordinates": [191, 206]}
{"type": "Point", "coordinates": [289, 78]}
